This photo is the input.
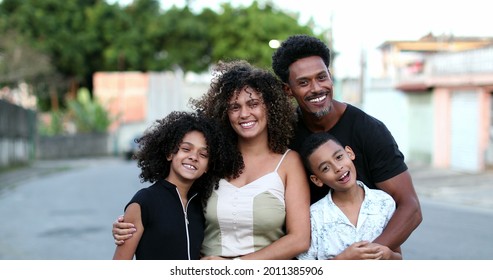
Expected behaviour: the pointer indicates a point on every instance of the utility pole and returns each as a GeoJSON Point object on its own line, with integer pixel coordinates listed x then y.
{"type": "Point", "coordinates": [362, 76]}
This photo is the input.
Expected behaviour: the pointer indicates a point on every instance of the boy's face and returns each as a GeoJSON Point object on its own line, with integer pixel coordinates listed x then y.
{"type": "Point", "coordinates": [333, 166]}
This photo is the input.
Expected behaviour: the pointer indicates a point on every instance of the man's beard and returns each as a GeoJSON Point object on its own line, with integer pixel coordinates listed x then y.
{"type": "Point", "coordinates": [325, 111]}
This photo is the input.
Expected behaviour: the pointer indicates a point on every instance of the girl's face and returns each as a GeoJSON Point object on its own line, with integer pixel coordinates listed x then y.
{"type": "Point", "coordinates": [247, 113]}
{"type": "Point", "coordinates": [191, 160]}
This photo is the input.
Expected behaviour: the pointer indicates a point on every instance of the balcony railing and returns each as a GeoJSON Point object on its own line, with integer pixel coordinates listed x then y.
{"type": "Point", "coordinates": [465, 62]}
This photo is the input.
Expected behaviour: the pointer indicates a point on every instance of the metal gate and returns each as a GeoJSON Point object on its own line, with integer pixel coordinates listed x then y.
{"type": "Point", "coordinates": [465, 131]}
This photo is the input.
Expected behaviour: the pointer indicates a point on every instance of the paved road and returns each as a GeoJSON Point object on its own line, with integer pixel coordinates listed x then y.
{"type": "Point", "coordinates": [55, 205]}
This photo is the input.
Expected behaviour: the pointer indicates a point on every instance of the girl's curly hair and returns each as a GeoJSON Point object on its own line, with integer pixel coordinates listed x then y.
{"type": "Point", "coordinates": [228, 79]}
{"type": "Point", "coordinates": [163, 139]}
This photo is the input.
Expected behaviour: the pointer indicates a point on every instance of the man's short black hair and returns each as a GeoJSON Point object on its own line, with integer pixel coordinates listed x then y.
{"type": "Point", "coordinates": [297, 47]}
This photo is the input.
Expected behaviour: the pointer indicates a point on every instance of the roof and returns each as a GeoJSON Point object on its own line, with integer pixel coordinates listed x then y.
{"type": "Point", "coordinates": [430, 43]}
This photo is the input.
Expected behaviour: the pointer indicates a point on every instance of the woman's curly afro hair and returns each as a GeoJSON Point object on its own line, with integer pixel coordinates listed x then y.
{"type": "Point", "coordinates": [294, 48]}
{"type": "Point", "coordinates": [163, 139]}
{"type": "Point", "coordinates": [229, 79]}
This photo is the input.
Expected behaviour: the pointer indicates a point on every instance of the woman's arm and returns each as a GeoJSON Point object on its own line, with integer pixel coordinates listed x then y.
{"type": "Point", "coordinates": [126, 251]}
{"type": "Point", "coordinates": [122, 230]}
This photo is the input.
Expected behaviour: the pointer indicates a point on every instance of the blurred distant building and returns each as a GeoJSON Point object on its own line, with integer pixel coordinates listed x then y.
{"type": "Point", "coordinates": [402, 59]}
{"type": "Point", "coordinates": [137, 99]}
{"type": "Point", "coordinates": [436, 96]}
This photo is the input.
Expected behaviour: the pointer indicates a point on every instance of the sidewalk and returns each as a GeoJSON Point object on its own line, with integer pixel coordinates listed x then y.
{"type": "Point", "coordinates": [444, 185]}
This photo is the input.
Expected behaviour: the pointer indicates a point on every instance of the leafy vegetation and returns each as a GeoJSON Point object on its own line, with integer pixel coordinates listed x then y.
{"type": "Point", "coordinates": [83, 115]}
{"type": "Point", "coordinates": [56, 46]}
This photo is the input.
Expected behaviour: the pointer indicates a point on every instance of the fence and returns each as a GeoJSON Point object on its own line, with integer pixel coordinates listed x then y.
{"type": "Point", "coordinates": [73, 146]}
{"type": "Point", "coordinates": [17, 134]}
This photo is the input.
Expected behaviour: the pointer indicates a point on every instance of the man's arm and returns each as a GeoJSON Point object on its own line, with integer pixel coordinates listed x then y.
{"type": "Point", "coordinates": [407, 215]}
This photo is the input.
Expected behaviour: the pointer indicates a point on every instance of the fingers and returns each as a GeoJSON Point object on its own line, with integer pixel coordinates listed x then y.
{"type": "Point", "coordinates": [123, 234]}
{"type": "Point", "coordinates": [122, 231]}
{"type": "Point", "coordinates": [361, 243]}
{"type": "Point", "coordinates": [119, 242]}
{"type": "Point", "coordinates": [375, 254]}
{"type": "Point", "coordinates": [379, 255]}
{"type": "Point", "coordinates": [122, 226]}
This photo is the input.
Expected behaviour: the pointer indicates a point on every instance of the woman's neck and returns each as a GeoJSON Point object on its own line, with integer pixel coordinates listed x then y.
{"type": "Point", "coordinates": [253, 146]}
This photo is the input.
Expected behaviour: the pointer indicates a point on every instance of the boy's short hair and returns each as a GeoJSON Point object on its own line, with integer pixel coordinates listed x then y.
{"type": "Point", "coordinates": [312, 143]}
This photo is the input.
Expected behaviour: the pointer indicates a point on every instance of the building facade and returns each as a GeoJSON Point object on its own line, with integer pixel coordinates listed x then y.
{"type": "Point", "coordinates": [435, 94]}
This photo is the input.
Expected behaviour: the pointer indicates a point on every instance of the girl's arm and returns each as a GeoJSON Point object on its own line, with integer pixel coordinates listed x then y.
{"type": "Point", "coordinates": [126, 251]}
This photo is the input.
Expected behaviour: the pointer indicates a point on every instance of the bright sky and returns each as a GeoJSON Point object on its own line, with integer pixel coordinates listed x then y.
{"type": "Point", "coordinates": [364, 24]}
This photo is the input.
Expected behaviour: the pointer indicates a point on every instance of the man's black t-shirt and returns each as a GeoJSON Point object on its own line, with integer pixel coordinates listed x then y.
{"type": "Point", "coordinates": [377, 155]}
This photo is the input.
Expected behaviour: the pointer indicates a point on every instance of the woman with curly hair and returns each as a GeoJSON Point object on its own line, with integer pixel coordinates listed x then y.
{"type": "Point", "coordinates": [264, 212]}
{"type": "Point", "coordinates": [183, 155]}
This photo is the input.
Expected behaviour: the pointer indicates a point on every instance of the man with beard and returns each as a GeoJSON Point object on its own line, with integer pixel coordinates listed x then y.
{"type": "Point", "coordinates": [302, 63]}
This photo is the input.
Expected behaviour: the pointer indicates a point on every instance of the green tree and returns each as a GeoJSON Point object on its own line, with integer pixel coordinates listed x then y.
{"type": "Point", "coordinates": [19, 62]}
{"type": "Point", "coordinates": [103, 26]}
{"type": "Point", "coordinates": [245, 33]}
{"type": "Point", "coordinates": [134, 47]}
{"type": "Point", "coordinates": [55, 28]}
{"type": "Point", "coordinates": [81, 37]}
{"type": "Point", "coordinates": [185, 41]}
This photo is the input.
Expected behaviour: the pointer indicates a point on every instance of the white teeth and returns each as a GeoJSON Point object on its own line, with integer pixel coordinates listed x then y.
{"type": "Point", "coordinates": [318, 99]}
{"type": "Point", "coordinates": [248, 124]}
{"type": "Point", "coordinates": [344, 175]}
{"type": "Point", "coordinates": [190, 166]}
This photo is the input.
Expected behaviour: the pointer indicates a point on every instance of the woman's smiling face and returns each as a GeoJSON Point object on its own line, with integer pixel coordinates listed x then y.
{"type": "Point", "coordinates": [247, 113]}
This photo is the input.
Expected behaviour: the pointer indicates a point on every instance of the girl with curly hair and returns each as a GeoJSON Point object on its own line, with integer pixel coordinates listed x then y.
{"type": "Point", "coordinates": [264, 212]}
{"type": "Point", "coordinates": [183, 155]}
